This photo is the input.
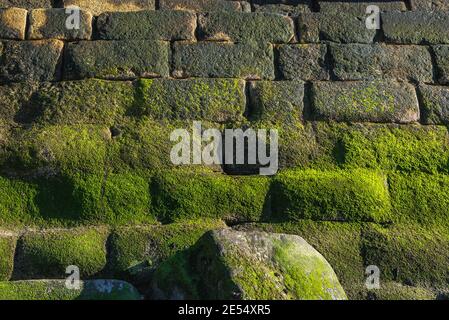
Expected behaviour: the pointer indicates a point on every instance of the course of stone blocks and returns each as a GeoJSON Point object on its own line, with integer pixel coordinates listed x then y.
{"type": "Point", "coordinates": [86, 116]}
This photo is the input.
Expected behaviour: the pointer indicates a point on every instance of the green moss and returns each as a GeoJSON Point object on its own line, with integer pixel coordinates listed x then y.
{"type": "Point", "coordinates": [57, 290]}
{"type": "Point", "coordinates": [147, 247]}
{"type": "Point", "coordinates": [189, 194]}
{"type": "Point", "coordinates": [47, 254]}
{"type": "Point", "coordinates": [7, 251]}
{"type": "Point", "coordinates": [219, 100]}
{"type": "Point", "coordinates": [357, 195]}
{"type": "Point", "coordinates": [83, 102]}
{"type": "Point", "coordinates": [339, 243]}
{"type": "Point", "coordinates": [420, 198]}
{"type": "Point", "coordinates": [408, 254]}
{"type": "Point", "coordinates": [397, 291]}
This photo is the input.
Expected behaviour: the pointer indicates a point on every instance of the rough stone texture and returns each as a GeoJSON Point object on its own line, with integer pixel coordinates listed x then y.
{"type": "Point", "coordinates": [279, 101]}
{"type": "Point", "coordinates": [435, 104]}
{"type": "Point", "coordinates": [430, 5]}
{"type": "Point", "coordinates": [249, 265]}
{"type": "Point", "coordinates": [365, 101]}
{"type": "Point", "coordinates": [368, 62]}
{"type": "Point", "coordinates": [13, 23]}
{"type": "Point", "coordinates": [51, 24]}
{"type": "Point", "coordinates": [27, 4]}
{"type": "Point", "coordinates": [30, 60]}
{"type": "Point", "coordinates": [201, 5]}
{"type": "Point", "coordinates": [116, 59]}
{"type": "Point", "coordinates": [303, 61]}
{"type": "Point", "coordinates": [217, 100]}
{"type": "Point", "coordinates": [99, 6]}
{"type": "Point", "coordinates": [246, 27]}
{"type": "Point", "coordinates": [13, 99]}
{"type": "Point", "coordinates": [416, 27]}
{"type": "Point", "coordinates": [283, 9]}
{"type": "Point", "coordinates": [48, 253]}
{"type": "Point", "coordinates": [152, 25]}
{"type": "Point", "coordinates": [57, 290]}
{"type": "Point", "coordinates": [359, 7]}
{"type": "Point", "coordinates": [222, 60]}
{"type": "Point", "coordinates": [336, 27]}
{"type": "Point", "coordinates": [441, 54]}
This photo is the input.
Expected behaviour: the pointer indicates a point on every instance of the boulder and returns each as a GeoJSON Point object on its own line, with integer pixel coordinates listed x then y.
{"type": "Point", "coordinates": [238, 265]}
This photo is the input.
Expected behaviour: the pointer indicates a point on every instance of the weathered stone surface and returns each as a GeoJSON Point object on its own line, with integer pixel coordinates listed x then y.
{"type": "Point", "coordinates": [99, 6]}
{"type": "Point", "coordinates": [27, 4]}
{"type": "Point", "coordinates": [276, 101]}
{"type": "Point", "coordinates": [248, 265]}
{"type": "Point", "coordinates": [365, 101]}
{"type": "Point", "coordinates": [48, 253]}
{"type": "Point", "coordinates": [303, 61]}
{"type": "Point", "coordinates": [246, 27]}
{"type": "Point", "coordinates": [223, 60]}
{"type": "Point", "coordinates": [57, 290]}
{"type": "Point", "coordinates": [200, 5]}
{"type": "Point", "coordinates": [283, 9]}
{"type": "Point", "coordinates": [368, 62]}
{"type": "Point", "coordinates": [430, 5]}
{"type": "Point", "coordinates": [13, 100]}
{"type": "Point", "coordinates": [337, 27]}
{"type": "Point", "coordinates": [435, 104]}
{"type": "Point", "coordinates": [81, 102]}
{"type": "Point", "coordinates": [31, 60]}
{"type": "Point", "coordinates": [359, 7]}
{"type": "Point", "coordinates": [441, 54]}
{"type": "Point", "coordinates": [7, 250]}
{"type": "Point", "coordinates": [217, 100]}
{"type": "Point", "coordinates": [51, 24]}
{"type": "Point", "coordinates": [416, 27]}
{"type": "Point", "coordinates": [147, 25]}
{"type": "Point", "coordinates": [116, 59]}
{"type": "Point", "coordinates": [13, 23]}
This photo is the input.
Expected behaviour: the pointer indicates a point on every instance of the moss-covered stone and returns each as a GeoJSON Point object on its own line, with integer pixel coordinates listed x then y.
{"type": "Point", "coordinates": [136, 251]}
{"type": "Point", "coordinates": [358, 195]}
{"type": "Point", "coordinates": [48, 253]}
{"type": "Point", "coordinates": [27, 4]}
{"type": "Point", "coordinates": [81, 102]}
{"type": "Point", "coordinates": [441, 55]}
{"type": "Point", "coordinates": [57, 290]}
{"type": "Point", "coordinates": [420, 198]}
{"type": "Point", "coordinates": [116, 59]}
{"type": "Point", "coordinates": [434, 104]}
{"type": "Point", "coordinates": [394, 147]}
{"type": "Point", "coordinates": [13, 23]}
{"type": "Point", "coordinates": [190, 194]}
{"type": "Point", "coordinates": [292, 10]}
{"type": "Point", "coordinates": [365, 101]}
{"type": "Point", "coordinates": [359, 7]}
{"type": "Point", "coordinates": [417, 27]}
{"type": "Point", "coordinates": [217, 100]}
{"type": "Point", "coordinates": [408, 254]}
{"type": "Point", "coordinates": [397, 291]}
{"type": "Point", "coordinates": [339, 26]}
{"type": "Point", "coordinates": [379, 61]}
{"type": "Point", "coordinates": [52, 24]}
{"type": "Point", "coordinates": [303, 61]}
{"type": "Point", "coordinates": [8, 242]}
{"type": "Point", "coordinates": [152, 25]}
{"type": "Point", "coordinates": [338, 242]}
{"type": "Point", "coordinates": [229, 264]}
{"type": "Point", "coordinates": [223, 60]}
{"type": "Point", "coordinates": [30, 60]}
{"type": "Point", "coordinates": [14, 98]}
{"type": "Point", "coordinates": [99, 6]}
{"type": "Point", "coordinates": [246, 27]}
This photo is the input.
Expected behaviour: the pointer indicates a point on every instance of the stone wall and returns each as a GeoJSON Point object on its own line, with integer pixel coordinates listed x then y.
{"type": "Point", "coordinates": [86, 116]}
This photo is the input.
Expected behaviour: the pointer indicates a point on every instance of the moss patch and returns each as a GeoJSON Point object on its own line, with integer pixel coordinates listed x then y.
{"type": "Point", "coordinates": [358, 195]}
{"type": "Point", "coordinates": [47, 254]}
{"type": "Point", "coordinates": [7, 251]}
